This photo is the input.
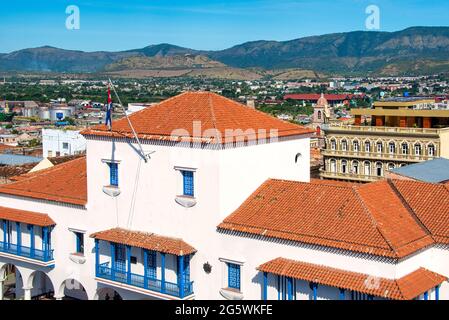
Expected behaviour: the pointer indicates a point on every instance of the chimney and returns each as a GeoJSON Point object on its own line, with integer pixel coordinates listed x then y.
{"type": "Point", "coordinates": [250, 104]}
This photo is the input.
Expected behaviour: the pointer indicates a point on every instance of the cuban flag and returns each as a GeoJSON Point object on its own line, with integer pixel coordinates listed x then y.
{"type": "Point", "coordinates": [109, 110]}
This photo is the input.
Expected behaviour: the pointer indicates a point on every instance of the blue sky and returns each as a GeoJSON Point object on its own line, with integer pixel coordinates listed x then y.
{"type": "Point", "coordinates": [213, 24]}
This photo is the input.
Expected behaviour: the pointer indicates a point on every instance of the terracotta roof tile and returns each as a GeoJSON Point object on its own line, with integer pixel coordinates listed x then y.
{"type": "Point", "coordinates": [430, 203]}
{"type": "Point", "coordinates": [217, 114]}
{"type": "Point", "coordinates": [146, 240]}
{"type": "Point", "coordinates": [66, 183]}
{"type": "Point", "coordinates": [34, 218]}
{"type": "Point", "coordinates": [405, 288]}
{"type": "Point", "coordinates": [342, 217]}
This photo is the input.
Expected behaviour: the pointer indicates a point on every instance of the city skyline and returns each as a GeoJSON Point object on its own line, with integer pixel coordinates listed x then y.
{"type": "Point", "coordinates": [215, 25]}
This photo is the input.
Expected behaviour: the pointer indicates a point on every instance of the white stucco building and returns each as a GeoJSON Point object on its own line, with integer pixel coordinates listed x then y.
{"type": "Point", "coordinates": [59, 142]}
{"type": "Point", "coordinates": [218, 206]}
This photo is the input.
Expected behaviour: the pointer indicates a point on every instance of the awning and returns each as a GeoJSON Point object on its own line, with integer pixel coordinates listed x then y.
{"type": "Point", "coordinates": [405, 288]}
{"type": "Point", "coordinates": [22, 216]}
{"type": "Point", "coordinates": [146, 240]}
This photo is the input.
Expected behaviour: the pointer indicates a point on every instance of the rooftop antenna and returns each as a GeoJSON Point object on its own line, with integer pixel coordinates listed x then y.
{"type": "Point", "coordinates": [144, 156]}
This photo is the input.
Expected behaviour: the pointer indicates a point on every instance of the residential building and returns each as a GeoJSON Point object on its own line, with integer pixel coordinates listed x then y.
{"type": "Point", "coordinates": [202, 204]}
{"type": "Point", "coordinates": [399, 132]}
{"type": "Point", "coordinates": [58, 142]}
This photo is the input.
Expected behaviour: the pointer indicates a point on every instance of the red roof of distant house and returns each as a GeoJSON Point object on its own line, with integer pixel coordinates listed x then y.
{"type": "Point", "coordinates": [222, 120]}
{"type": "Point", "coordinates": [371, 218]}
{"type": "Point", "coordinates": [408, 287]}
{"type": "Point", "coordinates": [66, 183]}
{"type": "Point", "coordinates": [329, 97]}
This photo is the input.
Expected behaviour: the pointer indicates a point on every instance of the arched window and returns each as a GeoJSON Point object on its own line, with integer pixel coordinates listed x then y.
{"type": "Point", "coordinates": [356, 146]}
{"type": "Point", "coordinates": [379, 147]}
{"type": "Point", "coordinates": [404, 148]}
{"type": "Point", "coordinates": [333, 144]}
{"type": "Point", "coordinates": [379, 169]}
{"type": "Point", "coordinates": [319, 115]}
{"type": "Point", "coordinates": [344, 166]}
{"type": "Point", "coordinates": [367, 146]}
{"type": "Point", "coordinates": [297, 157]}
{"type": "Point", "coordinates": [431, 150]}
{"type": "Point", "coordinates": [418, 149]}
{"type": "Point", "coordinates": [367, 167]}
{"type": "Point", "coordinates": [333, 165]}
{"type": "Point", "coordinates": [392, 148]}
{"type": "Point", "coordinates": [391, 166]}
{"type": "Point", "coordinates": [344, 145]}
{"type": "Point", "coordinates": [355, 167]}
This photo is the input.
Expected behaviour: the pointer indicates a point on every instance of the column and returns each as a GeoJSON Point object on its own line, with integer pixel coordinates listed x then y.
{"type": "Point", "coordinates": [45, 242]}
{"type": "Point", "coordinates": [5, 232]}
{"type": "Point", "coordinates": [145, 268]}
{"type": "Point", "coordinates": [265, 286]}
{"type": "Point", "coordinates": [128, 264]}
{"type": "Point", "coordinates": [2, 281]}
{"type": "Point", "coordinates": [315, 288]}
{"type": "Point", "coordinates": [27, 295]}
{"type": "Point", "coordinates": [342, 294]}
{"type": "Point", "coordinates": [279, 287]}
{"type": "Point", "coordinates": [426, 295]}
{"type": "Point", "coordinates": [19, 238]}
{"type": "Point", "coordinates": [32, 240]}
{"type": "Point", "coordinates": [112, 261]}
{"type": "Point", "coordinates": [290, 288]}
{"type": "Point", "coordinates": [162, 272]}
{"type": "Point", "coordinates": [97, 258]}
{"type": "Point", "coordinates": [437, 293]}
{"type": "Point", "coordinates": [181, 276]}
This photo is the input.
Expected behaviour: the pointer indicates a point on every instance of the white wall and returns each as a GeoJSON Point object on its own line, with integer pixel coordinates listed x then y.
{"type": "Point", "coordinates": [53, 140]}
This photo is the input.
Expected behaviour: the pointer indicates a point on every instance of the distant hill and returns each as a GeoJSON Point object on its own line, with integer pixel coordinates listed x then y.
{"type": "Point", "coordinates": [412, 51]}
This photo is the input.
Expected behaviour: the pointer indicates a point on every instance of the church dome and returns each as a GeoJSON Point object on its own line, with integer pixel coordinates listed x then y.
{"type": "Point", "coordinates": [322, 101]}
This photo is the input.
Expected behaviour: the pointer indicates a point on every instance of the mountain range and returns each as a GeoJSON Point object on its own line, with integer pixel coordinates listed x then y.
{"type": "Point", "coordinates": [416, 50]}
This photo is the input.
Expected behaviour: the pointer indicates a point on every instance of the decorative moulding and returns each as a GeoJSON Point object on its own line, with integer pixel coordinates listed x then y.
{"type": "Point", "coordinates": [231, 294]}
{"type": "Point", "coordinates": [186, 202]}
{"type": "Point", "coordinates": [111, 191]}
{"type": "Point", "coordinates": [77, 258]}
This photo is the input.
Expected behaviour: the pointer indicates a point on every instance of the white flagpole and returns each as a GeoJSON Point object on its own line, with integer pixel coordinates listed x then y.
{"type": "Point", "coordinates": [145, 158]}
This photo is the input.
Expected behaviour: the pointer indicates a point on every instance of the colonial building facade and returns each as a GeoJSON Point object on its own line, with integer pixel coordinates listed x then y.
{"type": "Point", "coordinates": [214, 201]}
{"type": "Point", "coordinates": [401, 132]}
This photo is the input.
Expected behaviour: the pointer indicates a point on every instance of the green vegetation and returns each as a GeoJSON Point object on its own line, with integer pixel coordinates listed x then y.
{"type": "Point", "coordinates": [289, 107]}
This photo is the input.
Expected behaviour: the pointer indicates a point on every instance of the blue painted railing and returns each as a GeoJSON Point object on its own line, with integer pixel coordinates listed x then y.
{"type": "Point", "coordinates": [27, 252]}
{"type": "Point", "coordinates": [136, 280]}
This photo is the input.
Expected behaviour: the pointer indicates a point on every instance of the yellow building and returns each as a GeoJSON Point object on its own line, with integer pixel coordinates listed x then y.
{"type": "Point", "coordinates": [395, 133]}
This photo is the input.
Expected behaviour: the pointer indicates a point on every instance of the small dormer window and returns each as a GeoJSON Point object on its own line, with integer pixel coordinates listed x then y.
{"type": "Point", "coordinates": [188, 184]}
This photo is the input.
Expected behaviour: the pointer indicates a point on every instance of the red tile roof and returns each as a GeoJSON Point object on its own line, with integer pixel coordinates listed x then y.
{"type": "Point", "coordinates": [366, 219]}
{"type": "Point", "coordinates": [430, 203]}
{"type": "Point", "coordinates": [405, 288]}
{"type": "Point", "coordinates": [146, 240]}
{"type": "Point", "coordinates": [34, 218]}
{"type": "Point", "coordinates": [66, 183]}
{"type": "Point", "coordinates": [316, 96]}
{"type": "Point", "coordinates": [220, 119]}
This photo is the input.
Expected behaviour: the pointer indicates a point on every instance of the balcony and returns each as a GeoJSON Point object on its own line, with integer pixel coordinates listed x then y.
{"type": "Point", "coordinates": [349, 176]}
{"type": "Point", "coordinates": [144, 282]}
{"type": "Point", "coordinates": [26, 236]}
{"type": "Point", "coordinates": [386, 131]}
{"type": "Point", "coordinates": [26, 252]}
{"type": "Point", "coordinates": [376, 155]}
{"type": "Point", "coordinates": [154, 265]}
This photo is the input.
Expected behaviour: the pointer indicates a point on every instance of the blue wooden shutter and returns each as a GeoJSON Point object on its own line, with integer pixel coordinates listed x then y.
{"type": "Point", "coordinates": [188, 183]}
{"type": "Point", "coordinates": [233, 276]}
{"type": "Point", "coordinates": [113, 169]}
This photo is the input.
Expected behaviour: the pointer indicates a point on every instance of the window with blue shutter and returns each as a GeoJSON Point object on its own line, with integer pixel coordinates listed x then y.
{"type": "Point", "coordinates": [234, 276]}
{"type": "Point", "coordinates": [113, 174]}
{"type": "Point", "coordinates": [188, 186]}
{"type": "Point", "coordinates": [151, 264]}
{"type": "Point", "coordinates": [79, 242]}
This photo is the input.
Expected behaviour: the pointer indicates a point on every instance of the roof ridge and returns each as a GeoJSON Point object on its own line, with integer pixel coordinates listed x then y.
{"type": "Point", "coordinates": [409, 208]}
{"type": "Point", "coordinates": [373, 220]}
